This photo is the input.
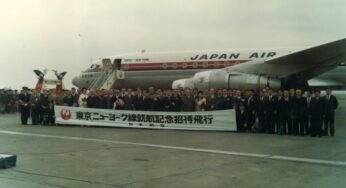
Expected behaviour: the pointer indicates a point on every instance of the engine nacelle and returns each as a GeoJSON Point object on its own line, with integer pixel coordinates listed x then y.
{"type": "Point", "coordinates": [204, 80]}
{"type": "Point", "coordinates": [211, 79]}
{"type": "Point", "coordinates": [183, 83]}
{"type": "Point", "coordinates": [250, 81]}
{"type": "Point", "coordinates": [221, 79]}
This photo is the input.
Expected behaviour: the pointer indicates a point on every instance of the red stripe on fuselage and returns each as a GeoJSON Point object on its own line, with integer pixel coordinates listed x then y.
{"type": "Point", "coordinates": [179, 65]}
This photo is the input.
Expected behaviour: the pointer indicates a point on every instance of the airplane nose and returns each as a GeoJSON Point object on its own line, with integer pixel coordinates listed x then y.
{"type": "Point", "coordinates": [74, 81]}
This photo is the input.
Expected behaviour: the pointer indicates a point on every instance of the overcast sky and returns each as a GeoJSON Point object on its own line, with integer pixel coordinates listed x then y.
{"type": "Point", "coordinates": [66, 34]}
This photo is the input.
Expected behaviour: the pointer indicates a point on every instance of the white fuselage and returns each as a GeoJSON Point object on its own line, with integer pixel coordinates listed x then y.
{"type": "Point", "coordinates": [163, 68]}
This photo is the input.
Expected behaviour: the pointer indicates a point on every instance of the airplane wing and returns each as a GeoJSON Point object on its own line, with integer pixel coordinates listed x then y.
{"type": "Point", "coordinates": [304, 64]}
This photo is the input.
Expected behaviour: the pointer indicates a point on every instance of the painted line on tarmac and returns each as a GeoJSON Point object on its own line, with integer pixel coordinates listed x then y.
{"type": "Point", "coordinates": [234, 153]}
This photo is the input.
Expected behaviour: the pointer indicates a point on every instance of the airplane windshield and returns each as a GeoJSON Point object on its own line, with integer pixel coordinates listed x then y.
{"type": "Point", "coordinates": [93, 68]}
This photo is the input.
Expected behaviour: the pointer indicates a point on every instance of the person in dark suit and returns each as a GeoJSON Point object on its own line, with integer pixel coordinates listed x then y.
{"type": "Point", "coordinates": [129, 100]}
{"type": "Point", "coordinates": [279, 96]}
{"type": "Point", "coordinates": [330, 105]}
{"type": "Point", "coordinates": [35, 107]}
{"type": "Point", "coordinates": [250, 107]}
{"type": "Point", "coordinates": [44, 98]}
{"type": "Point", "coordinates": [155, 103]}
{"type": "Point", "coordinates": [166, 101]}
{"type": "Point", "coordinates": [299, 109]}
{"type": "Point", "coordinates": [175, 105]}
{"type": "Point", "coordinates": [147, 100]}
{"type": "Point", "coordinates": [317, 112]}
{"type": "Point", "coordinates": [225, 101]}
{"type": "Point", "coordinates": [107, 98]}
{"type": "Point", "coordinates": [241, 118]}
{"type": "Point", "coordinates": [49, 115]}
{"type": "Point", "coordinates": [285, 114]}
{"type": "Point", "coordinates": [75, 97]}
{"type": "Point", "coordinates": [24, 99]}
{"type": "Point", "coordinates": [68, 99]}
{"type": "Point", "coordinates": [307, 123]}
{"type": "Point", "coordinates": [112, 98]}
{"type": "Point", "coordinates": [91, 100]}
{"type": "Point", "coordinates": [271, 110]}
{"type": "Point", "coordinates": [212, 100]}
{"type": "Point", "coordinates": [262, 112]}
{"type": "Point", "coordinates": [101, 99]}
{"type": "Point", "coordinates": [292, 96]}
{"type": "Point", "coordinates": [188, 102]}
{"type": "Point", "coordinates": [237, 99]}
{"type": "Point", "coordinates": [138, 99]}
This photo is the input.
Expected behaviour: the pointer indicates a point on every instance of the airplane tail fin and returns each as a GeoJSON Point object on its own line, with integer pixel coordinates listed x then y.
{"type": "Point", "coordinates": [39, 85]}
{"type": "Point", "coordinates": [59, 87]}
{"type": "Point", "coordinates": [39, 74]}
{"type": "Point", "coordinates": [61, 75]}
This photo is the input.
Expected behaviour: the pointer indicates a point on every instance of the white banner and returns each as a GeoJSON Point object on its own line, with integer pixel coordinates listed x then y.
{"type": "Point", "coordinates": [221, 120]}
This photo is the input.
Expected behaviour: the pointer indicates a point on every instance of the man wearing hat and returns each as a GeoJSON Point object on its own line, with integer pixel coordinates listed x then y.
{"type": "Point", "coordinates": [24, 99]}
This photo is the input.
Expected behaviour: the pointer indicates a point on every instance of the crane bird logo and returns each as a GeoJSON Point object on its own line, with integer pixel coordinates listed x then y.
{"type": "Point", "coordinates": [65, 114]}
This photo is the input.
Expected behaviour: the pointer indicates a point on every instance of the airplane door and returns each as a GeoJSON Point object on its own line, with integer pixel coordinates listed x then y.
{"type": "Point", "coordinates": [117, 64]}
{"type": "Point", "coordinates": [120, 75]}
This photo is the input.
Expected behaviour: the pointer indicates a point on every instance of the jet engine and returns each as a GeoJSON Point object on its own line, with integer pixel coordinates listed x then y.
{"type": "Point", "coordinates": [221, 79]}
{"type": "Point", "coordinates": [182, 83]}
{"type": "Point", "coordinates": [251, 81]}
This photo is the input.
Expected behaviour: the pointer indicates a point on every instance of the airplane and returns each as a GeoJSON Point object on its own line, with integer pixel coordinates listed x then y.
{"type": "Point", "coordinates": [320, 66]}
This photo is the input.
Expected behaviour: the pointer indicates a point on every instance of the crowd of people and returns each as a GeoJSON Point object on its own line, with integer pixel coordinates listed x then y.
{"type": "Point", "coordinates": [278, 112]}
{"type": "Point", "coordinates": [8, 98]}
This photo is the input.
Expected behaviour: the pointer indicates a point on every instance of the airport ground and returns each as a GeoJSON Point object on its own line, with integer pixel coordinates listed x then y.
{"type": "Point", "coordinates": [65, 156]}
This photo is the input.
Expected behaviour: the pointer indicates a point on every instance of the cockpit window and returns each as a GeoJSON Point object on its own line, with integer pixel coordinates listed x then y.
{"type": "Point", "coordinates": [93, 68]}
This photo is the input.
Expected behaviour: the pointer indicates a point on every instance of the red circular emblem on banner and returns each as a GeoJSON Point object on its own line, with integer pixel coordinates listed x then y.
{"type": "Point", "coordinates": [65, 114]}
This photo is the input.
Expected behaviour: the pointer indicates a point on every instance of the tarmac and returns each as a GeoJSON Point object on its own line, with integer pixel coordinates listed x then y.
{"type": "Point", "coordinates": [69, 156]}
